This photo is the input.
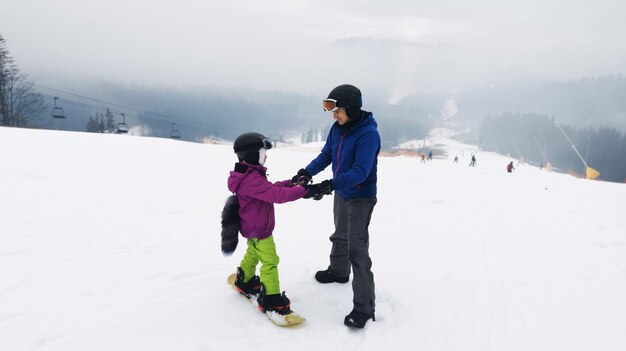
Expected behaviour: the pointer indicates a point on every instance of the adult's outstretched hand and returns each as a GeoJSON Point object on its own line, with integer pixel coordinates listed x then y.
{"type": "Point", "coordinates": [326, 187]}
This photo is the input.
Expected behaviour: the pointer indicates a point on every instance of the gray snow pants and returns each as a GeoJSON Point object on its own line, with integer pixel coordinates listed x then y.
{"type": "Point", "coordinates": [351, 248]}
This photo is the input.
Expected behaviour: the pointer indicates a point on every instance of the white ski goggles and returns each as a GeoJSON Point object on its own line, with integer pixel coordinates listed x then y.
{"type": "Point", "coordinates": [330, 105]}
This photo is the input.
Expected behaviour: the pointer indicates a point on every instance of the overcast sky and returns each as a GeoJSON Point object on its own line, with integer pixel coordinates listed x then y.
{"type": "Point", "coordinates": [391, 47]}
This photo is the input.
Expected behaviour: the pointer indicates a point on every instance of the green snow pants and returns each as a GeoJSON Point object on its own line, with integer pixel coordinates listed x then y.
{"type": "Point", "coordinates": [265, 251]}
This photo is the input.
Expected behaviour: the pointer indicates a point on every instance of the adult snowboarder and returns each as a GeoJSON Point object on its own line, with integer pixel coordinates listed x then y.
{"type": "Point", "coordinates": [352, 147]}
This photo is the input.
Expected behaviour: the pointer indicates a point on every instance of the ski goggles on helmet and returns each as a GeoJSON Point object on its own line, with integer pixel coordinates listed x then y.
{"type": "Point", "coordinates": [267, 144]}
{"type": "Point", "coordinates": [330, 105]}
{"type": "Point", "coordinates": [254, 145]}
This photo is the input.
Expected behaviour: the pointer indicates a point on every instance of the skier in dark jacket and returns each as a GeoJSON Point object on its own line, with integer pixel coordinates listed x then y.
{"type": "Point", "coordinates": [510, 167]}
{"type": "Point", "coordinates": [351, 148]}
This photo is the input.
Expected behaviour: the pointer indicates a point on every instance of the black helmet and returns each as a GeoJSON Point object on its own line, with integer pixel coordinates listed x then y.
{"type": "Point", "coordinates": [247, 146]}
{"type": "Point", "coordinates": [347, 96]}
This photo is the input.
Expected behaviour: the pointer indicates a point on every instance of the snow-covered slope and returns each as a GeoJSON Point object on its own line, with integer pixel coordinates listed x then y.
{"type": "Point", "coordinates": [111, 242]}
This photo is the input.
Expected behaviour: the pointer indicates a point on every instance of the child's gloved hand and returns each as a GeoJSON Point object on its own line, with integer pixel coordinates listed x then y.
{"type": "Point", "coordinates": [314, 191]}
{"type": "Point", "coordinates": [302, 178]}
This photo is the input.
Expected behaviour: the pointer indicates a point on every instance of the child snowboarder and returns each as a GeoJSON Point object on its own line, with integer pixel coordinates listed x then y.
{"type": "Point", "coordinates": [256, 196]}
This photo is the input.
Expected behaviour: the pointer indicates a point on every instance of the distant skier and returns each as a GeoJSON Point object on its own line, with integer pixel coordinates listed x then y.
{"type": "Point", "coordinates": [430, 155]}
{"type": "Point", "coordinates": [456, 159]}
{"type": "Point", "coordinates": [473, 162]}
{"type": "Point", "coordinates": [423, 158]}
{"type": "Point", "coordinates": [510, 167]}
{"type": "Point", "coordinates": [256, 197]}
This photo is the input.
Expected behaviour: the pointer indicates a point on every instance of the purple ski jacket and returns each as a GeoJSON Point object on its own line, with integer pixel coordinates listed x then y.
{"type": "Point", "coordinates": [257, 197]}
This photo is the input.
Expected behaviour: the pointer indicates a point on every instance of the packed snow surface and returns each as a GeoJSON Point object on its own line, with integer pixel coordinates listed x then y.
{"type": "Point", "coordinates": [112, 242]}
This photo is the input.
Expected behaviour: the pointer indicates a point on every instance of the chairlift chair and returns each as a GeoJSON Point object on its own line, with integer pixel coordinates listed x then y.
{"type": "Point", "coordinates": [174, 133]}
{"type": "Point", "coordinates": [122, 128]}
{"type": "Point", "coordinates": [57, 112]}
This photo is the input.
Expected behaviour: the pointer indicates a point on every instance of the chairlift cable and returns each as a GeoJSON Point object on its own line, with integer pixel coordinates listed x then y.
{"type": "Point", "coordinates": [146, 114]}
{"type": "Point", "coordinates": [109, 103]}
{"type": "Point", "coordinates": [104, 109]}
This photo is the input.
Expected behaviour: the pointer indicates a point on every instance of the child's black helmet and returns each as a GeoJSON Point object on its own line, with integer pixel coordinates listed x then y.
{"type": "Point", "coordinates": [247, 146]}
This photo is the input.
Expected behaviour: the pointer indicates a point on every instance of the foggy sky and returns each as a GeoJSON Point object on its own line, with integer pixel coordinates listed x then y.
{"type": "Point", "coordinates": [389, 48]}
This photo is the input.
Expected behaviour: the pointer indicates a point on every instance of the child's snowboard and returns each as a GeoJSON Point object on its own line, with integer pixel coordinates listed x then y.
{"type": "Point", "coordinates": [276, 318]}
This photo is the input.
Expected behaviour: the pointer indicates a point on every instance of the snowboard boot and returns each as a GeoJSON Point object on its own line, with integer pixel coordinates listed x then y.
{"type": "Point", "coordinates": [357, 319]}
{"type": "Point", "coordinates": [249, 289]}
{"type": "Point", "coordinates": [278, 303]}
{"type": "Point", "coordinates": [327, 276]}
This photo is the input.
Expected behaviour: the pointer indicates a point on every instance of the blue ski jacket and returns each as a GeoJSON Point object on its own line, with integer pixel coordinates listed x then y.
{"type": "Point", "coordinates": [353, 151]}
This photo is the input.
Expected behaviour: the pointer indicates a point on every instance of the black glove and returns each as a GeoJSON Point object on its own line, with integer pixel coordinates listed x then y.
{"type": "Point", "coordinates": [303, 177]}
{"type": "Point", "coordinates": [314, 191]}
{"type": "Point", "coordinates": [326, 187]}
{"type": "Point", "coordinates": [311, 190]}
